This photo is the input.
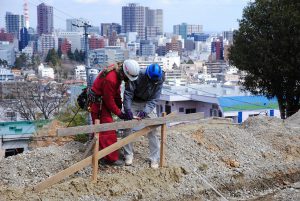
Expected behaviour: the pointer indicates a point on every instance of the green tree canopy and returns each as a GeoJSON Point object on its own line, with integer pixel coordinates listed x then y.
{"type": "Point", "coordinates": [267, 48]}
{"type": "Point", "coordinates": [53, 58]}
{"type": "Point", "coordinates": [21, 61]}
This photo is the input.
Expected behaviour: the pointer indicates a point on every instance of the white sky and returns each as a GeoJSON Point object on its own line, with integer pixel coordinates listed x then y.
{"type": "Point", "coordinates": [214, 15]}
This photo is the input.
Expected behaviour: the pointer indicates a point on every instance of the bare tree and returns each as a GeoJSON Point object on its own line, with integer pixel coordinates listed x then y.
{"type": "Point", "coordinates": [35, 100]}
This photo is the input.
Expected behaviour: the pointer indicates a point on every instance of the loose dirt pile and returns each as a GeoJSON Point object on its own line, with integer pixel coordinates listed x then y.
{"type": "Point", "coordinates": [258, 160]}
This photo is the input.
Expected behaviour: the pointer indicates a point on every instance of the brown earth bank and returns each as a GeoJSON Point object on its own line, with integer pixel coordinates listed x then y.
{"type": "Point", "coordinates": [210, 159]}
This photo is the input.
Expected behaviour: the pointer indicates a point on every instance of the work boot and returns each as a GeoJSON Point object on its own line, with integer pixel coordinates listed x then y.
{"type": "Point", "coordinates": [154, 164]}
{"type": "Point", "coordinates": [128, 160]}
{"type": "Point", "coordinates": [115, 163]}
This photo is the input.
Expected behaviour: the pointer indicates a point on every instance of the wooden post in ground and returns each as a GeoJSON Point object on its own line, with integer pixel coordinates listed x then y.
{"type": "Point", "coordinates": [94, 158]}
{"type": "Point", "coordinates": [163, 141]}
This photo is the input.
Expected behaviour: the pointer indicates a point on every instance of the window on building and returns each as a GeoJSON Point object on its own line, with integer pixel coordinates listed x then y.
{"type": "Point", "coordinates": [191, 110]}
{"type": "Point", "coordinates": [181, 109]}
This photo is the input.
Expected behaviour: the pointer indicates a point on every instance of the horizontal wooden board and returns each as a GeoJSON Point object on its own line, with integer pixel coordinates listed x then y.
{"type": "Point", "coordinates": [129, 124]}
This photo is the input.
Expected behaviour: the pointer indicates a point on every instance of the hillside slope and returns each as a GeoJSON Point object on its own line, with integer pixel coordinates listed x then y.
{"type": "Point", "coordinates": [258, 160]}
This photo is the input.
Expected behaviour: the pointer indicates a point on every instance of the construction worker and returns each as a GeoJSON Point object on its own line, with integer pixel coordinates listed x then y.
{"type": "Point", "coordinates": [140, 98]}
{"type": "Point", "coordinates": [108, 100]}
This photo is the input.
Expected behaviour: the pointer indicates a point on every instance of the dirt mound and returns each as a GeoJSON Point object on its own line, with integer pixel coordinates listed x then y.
{"type": "Point", "coordinates": [294, 120]}
{"type": "Point", "coordinates": [239, 161]}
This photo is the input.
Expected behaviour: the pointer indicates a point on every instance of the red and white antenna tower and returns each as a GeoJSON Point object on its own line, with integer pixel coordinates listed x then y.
{"type": "Point", "coordinates": [26, 13]}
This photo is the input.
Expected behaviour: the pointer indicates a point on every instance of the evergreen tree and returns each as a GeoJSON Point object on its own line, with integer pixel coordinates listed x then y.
{"type": "Point", "coordinates": [59, 52]}
{"type": "Point", "coordinates": [77, 56]}
{"type": "Point", "coordinates": [70, 55]}
{"type": "Point", "coordinates": [267, 47]}
{"type": "Point", "coordinates": [82, 55]}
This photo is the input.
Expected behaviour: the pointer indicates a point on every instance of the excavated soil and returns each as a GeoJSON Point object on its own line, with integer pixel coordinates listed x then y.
{"type": "Point", "coordinates": [210, 159]}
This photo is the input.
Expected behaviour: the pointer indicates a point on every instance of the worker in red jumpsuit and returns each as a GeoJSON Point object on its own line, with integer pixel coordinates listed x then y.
{"type": "Point", "coordinates": [107, 90]}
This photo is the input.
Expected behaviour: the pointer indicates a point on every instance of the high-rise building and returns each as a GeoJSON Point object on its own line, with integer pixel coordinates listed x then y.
{"type": "Point", "coordinates": [44, 19]}
{"type": "Point", "coordinates": [217, 49]}
{"type": "Point", "coordinates": [47, 42]}
{"type": "Point", "coordinates": [185, 29]}
{"type": "Point", "coordinates": [133, 19]}
{"type": "Point", "coordinates": [154, 18]}
{"type": "Point", "coordinates": [151, 32]}
{"type": "Point", "coordinates": [24, 37]}
{"type": "Point", "coordinates": [14, 23]}
{"type": "Point", "coordinates": [108, 28]}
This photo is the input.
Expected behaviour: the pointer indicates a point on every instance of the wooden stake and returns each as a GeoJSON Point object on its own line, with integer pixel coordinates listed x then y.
{"type": "Point", "coordinates": [94, 158]}
{"type": "Point", "coordinates": [163, 142]}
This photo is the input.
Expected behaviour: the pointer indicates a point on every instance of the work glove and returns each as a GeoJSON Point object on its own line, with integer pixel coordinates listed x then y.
{"type": "Point", "coordinates": [141, 114]}
{"type": "Point", "coordinates": [129, 114]}
{"type": "Point", "coordinates": [123, 116]}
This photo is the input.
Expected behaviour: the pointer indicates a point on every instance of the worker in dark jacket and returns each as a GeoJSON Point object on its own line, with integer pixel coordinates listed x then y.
{"type": "Point", "coordinates": [107, 87]}
{"type": "Point", "coordinates": [140, 98]}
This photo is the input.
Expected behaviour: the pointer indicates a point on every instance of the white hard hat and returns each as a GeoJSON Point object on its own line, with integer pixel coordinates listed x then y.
{"type": "Point", "coordinates": [131, 69]}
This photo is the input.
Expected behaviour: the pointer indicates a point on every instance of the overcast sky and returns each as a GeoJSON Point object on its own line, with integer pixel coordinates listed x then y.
{"type": "Point", "coordinates": [214, 15]}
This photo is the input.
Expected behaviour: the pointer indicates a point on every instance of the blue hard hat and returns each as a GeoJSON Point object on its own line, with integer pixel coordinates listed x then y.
{"type": "Point", "coordinates": [154, 72]}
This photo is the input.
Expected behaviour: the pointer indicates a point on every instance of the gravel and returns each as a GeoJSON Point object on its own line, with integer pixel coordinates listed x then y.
{"type": "Point", "coordinates": [250, 161]}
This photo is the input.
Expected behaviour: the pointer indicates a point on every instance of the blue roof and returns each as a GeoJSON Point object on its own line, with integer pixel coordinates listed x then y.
{"type": "Point", "coordinates": [240, 103]}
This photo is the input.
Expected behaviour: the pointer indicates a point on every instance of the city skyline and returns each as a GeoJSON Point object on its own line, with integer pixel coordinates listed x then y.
{"type": "Point", "coordinates": [215, 15]}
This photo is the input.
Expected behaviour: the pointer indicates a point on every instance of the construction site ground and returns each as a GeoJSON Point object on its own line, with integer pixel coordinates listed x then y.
{"type": "Point", "coordinates": [211, 159]}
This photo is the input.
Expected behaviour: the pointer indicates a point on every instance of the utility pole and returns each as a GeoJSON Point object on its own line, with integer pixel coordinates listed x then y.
{"type": "Point", "coordinates": [85, 25]}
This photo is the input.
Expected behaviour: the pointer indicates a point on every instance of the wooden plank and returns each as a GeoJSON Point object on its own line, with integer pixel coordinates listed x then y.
{"type": "Point", "coordinates": [124, 141]}
{"type": "Point", "coordinates": [88, 161]}
{"type": "Point", "coordinates": [163, 141]}
{"type": "Point", "coordinates": [94, 157]}
{"type": "Point", "coordinates": [129, 124]}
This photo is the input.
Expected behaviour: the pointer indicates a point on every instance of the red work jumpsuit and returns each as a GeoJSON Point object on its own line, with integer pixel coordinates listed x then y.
{"type": "Point", "coordinates": [109, 88]}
